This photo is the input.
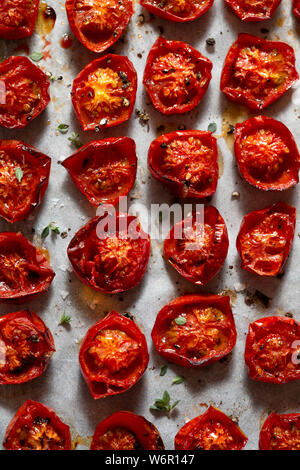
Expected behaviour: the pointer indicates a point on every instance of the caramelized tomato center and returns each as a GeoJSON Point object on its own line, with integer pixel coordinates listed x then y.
{"type": "Point", "coordinates": [259, 71]}
{"type": "Point", "coordinates": [285, 439]}
{"type": "Point", "coordinates": [113, 351]}
{"type": "Point", "coordinates": [213, 436]}
{"type": "Point", "coordinates": [273, 354]}
{"type": "Point", "coordinates": [259, 7]}
{"type": "Point", "coordinates": [179, 7]}
{"type": "Point", "coordinates": [199, 335]}
{"type": "Point", "coordinates": [118, 439]}
{"type": "Point", "coordinates": [40, 436]}
{"type": "Point", "coordinates": [104, 89]}
{"type": "Point", "coordinates": [176, 77]}
{"type": "Point", "coordinates": [108, 178]}
{"type": "Point", "coordinates": [14, 193]}
{"type": "Point", "coordinates": [265, 153]}
{"type": "Point", "coordinates": [99, 17]}
{"type": "Point", "coordinates": [22, 96]}
{"type": "Point", "coordinates": [15, 13]}
{"type": "Point", "coordinates": [188, 161]}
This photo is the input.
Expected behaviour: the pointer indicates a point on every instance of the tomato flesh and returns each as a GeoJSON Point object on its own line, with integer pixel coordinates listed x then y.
{"type": "Point", "coordinates": [26, 92]}
{"type": "Point", "coordinates": [98, 23]}
{"type": "Point", "coordinates": [17, 18]}
{"type": "Point", "coordinates": [212, 430]}
{"type": "Point", "coordinates": [27, 346]}
{"type": "Point", "coordinates": [104, 170]}
{"type": "Point", "coordinates": [280, 432]}
{"type": "Point", "coordinates": [269, 350]}
{"type": "Point", "coordinates": [37, 427]}
{"type": "Point", "coordinates": [126, 431]}
{"type": "Point", "coordinates": [177, 10]}
{"type": "Point", "coordinates": [265, 239]}
{"type": "Point", "coordinates": [267, 153]}
{"type": "Point", "coordinates": [186, 161]}
{"type": "Point", "coordinates": [206, 331]}
{"type": "Point", "coordinates": [112, 264]}
{"type": "Point", "coordinates": [257, 72]}
{"type": "Point", "coordinates": [296, 8]}
{"type": "Point", "coordinates": [176, 76]}
{"type": "Point", "coordinates": [200, 250]}
{"type": "Point", "coordinates": [113, 355]}
{"type": "Point", "coordinates": [254, 10]}
{"type": "Point", "coordinates": [19, 198]}
{"type": "Point", "coordinates": [103, 93]}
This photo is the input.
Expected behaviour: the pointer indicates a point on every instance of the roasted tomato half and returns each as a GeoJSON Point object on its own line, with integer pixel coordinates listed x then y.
{"type": "Point", "coordinates": [24, 176]}
{"type": "Point", "coordinates": [197, 246]}
{"type": "Point", "coordinates": [126, 431]}
{"type": "Point", "coordinates": [257, 72]}
{"type": "Point", "coordinates": [26, 345]}
{"type": "Point", "coordinates": [113, 355]}
{"type": "Point", "coordinates": [195, 330]}
{"type": "Point", "coordinates": [17, 18]}
{"type": "Point", "coordinates": [36, 427]}
{"type": "Point", "coordinates": [265, 239]}
{"type": "Point", "coordinates": [176, 76]}
{"type": "Point", "coordinates": [272, 350]}
{"type": "Point", "coordinates": [104, 170]}
{"type": "Point", "coordinates": [113, 261]}
{"type": "Point", "coordinates": [98, 24]}
{"type": "Point", "coordinates": [23, 92]}
{"type": "Point", "coordinates": [257, 10]}
{"type": "Point", "coordinates": [266, 153]}
{"type": "Point", "coordinates": [296, 8]}
{"type": "Point", "coordinates": [103, 93]}
{"type": "Point", "coordinates": [24, 270]}
{"type": "Point", "coordinates": [213, 430]}
{"type": "Point", "coordinates": [186, 161]}
{"type": "Point", "coordinates": [280, 432]}
{"type": "Point", "coordinates": [180, 11]}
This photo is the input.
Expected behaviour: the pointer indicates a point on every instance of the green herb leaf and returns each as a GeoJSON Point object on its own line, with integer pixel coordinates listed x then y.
{"type": "Point", "coordinates": [19, 174]}
{"type": "Point", "coordinates": [163, 370]}
{"type": "Point", "coordinates": [63, 128]}
{"type": "Point", "coordinates": [36, 56]}
{"type": "Point", "coordinates": [212, 127]}
{"type": "Point", "coordinates": [75, 140]}
{"type": "Point", "coordinates": [45, 232]}
{"type": "Point", "coordinates": [180, 320]}
{"type": "Point", "coordinates": [178, 380]}
{"type": "Point", "coordinates": [53, 227]}
{"type": "Point", "coordinates": [163, 404]}
{"type": "Point", "coordinates": [65, 319]}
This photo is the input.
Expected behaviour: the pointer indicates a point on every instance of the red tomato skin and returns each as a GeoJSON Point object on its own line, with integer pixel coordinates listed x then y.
{"type": "Point", "coordinates": [245, 40]}
{"type": "Point", "coordinates": [119, 62]}
{"type": "Point", "coordinates": [114, 386]}
{"type": "Point", "coordinates": [154, 162]}
{"type": "Point", "coordinates": [257, 330]}
{"type": "Point", "coordinates": [35, 322]}
{"type": "Point", "coordinates": [273, 420]}
{"type": "Point", "coordinates": [221, 244]}
{"type": "Point", "coordinates": [258, 122]}
{"type": "Point", "coordinates": [25, 416]}
{"type": "Point", "coordinates": [172, 17]}
{"type": "Point", "coordinates": [252, 16]}
{"type": "Point", "coordinates": [17, 147]}
{"type": "Point", "coordinates": [174, 308]}
{"type": "Point", "coordinates": [296, 8]}
{"type": "Point", "coordinates": [17, 65]}
{"type": "Point", "coordinates": [184, 437]}
{"type": "Point", "coordinates": [76, 252]}
{"type": "Point", "coordinates": [146, 433]}
{"type": "Point", "coordinates": [127, 147]}
{"type": "Point", "coordinates": [162, 46]}
{"type": "Point", "coordinates": [8, 32]}
{"type": "Point", "coordinates": [251, 219]}
{"type": "Point", "coordinates": [35, 259]}
{"type": "Point", "coordinates": [102, 45]}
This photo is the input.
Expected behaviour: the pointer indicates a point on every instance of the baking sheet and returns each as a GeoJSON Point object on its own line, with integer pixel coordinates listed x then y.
{"type": "Point", "coordinates": [225, 385]}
